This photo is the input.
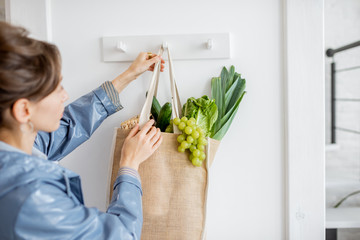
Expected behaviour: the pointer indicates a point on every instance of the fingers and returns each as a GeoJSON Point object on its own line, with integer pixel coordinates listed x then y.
{"type": "Point", "coordinates": [145, 61]}
{"type": "Point", "coordinates": [156, 137]}
{"type": "Point", "coordinates": [150, 55]}
{"type": "Point", "coordinates": [133, 131]}
{"type": "Point", "coordinates": [151, 68]}
{"type": "Point", "coordinates": [157, 143]}
{"type": "Point", "coordinates": [145, 129]}
{"type": "Point", "coordinates": [153, 58]}
{"type": "Point", "coordinates": [152, 132]}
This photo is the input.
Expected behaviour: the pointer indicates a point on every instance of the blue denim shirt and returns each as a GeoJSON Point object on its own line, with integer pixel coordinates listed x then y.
{"type": "Point", "coordinates": [40, 199]}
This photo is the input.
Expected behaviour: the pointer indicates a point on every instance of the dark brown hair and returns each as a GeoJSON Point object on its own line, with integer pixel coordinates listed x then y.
{"type": "Point", "coordinates": [29, 68]}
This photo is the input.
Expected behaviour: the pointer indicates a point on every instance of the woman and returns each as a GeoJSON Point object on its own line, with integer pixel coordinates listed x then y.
{"type": "Point", "coordinates": [38, 198]}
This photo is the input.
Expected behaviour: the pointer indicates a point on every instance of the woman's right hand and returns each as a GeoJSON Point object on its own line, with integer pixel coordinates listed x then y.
{"type": "Point", "coordinates": [139, 145]}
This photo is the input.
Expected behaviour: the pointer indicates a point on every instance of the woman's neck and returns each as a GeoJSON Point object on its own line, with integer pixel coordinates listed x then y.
{"type": "Point", "coordinates": [18, 139]}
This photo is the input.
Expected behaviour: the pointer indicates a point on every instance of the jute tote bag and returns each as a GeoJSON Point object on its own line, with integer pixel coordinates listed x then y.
{"type": "Point", "coordinates": [174, 191]}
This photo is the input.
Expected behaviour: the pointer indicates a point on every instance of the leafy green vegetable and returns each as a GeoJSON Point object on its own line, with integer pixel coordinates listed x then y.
{"type": "Point", "coordinates": [227, 91]}
{"type": "Point", "coordinates": [204, 110]}
{"type": "Point", "coordinates": [216, 92]}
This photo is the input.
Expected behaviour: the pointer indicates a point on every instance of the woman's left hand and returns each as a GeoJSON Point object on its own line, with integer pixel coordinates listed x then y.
{"type": "Point", "coordinates": [144, 61]}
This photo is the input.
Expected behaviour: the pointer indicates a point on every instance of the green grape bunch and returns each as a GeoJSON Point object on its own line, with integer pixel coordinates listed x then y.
{"type": "Point", "coordinates": [192, 138]}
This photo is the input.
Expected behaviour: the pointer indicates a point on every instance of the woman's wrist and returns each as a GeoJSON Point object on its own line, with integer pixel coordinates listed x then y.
{"type": "Point", "coordinates": [121, 81]}
{"type": "Point", "coordinates": [128, 163]}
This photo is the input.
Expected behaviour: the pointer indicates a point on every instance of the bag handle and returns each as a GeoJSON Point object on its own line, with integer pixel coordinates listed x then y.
{"type": "Point", "coordinates": [175, 101]}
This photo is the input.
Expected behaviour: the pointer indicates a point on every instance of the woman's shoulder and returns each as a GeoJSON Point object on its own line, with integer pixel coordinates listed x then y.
{"type": "Point", "coordinates": [20, 170]}
{"type": "Point", "coordinates": [23, 176]}
{"type": "Point", "coordinates": [14, 163]}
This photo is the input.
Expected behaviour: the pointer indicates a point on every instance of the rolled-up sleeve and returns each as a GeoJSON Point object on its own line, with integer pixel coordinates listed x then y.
{"type": "Point", "coordinates": [113, 95]}
{"type": "Point", "coordinates": [81, 118]}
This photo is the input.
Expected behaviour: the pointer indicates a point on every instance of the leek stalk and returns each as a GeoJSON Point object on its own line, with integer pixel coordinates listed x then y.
{"type": "Point", "coordinates": [228, 90]}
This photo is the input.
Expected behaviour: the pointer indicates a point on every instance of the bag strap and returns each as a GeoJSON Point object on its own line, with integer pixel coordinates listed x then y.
{"type": "Point", "coordinates": [176, 104]}
{"type": "Point", "coordinates": [145, 112]}
{"type": "Point", "coordinates": [157, 81]}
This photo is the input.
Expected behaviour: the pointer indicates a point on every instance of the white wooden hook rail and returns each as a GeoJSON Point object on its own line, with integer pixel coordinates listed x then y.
{"type": "Point", "coordinates": [183, 46]}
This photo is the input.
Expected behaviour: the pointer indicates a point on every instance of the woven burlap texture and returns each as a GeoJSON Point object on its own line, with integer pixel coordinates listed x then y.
{"type": "Point", "coordinates": [174, 191]}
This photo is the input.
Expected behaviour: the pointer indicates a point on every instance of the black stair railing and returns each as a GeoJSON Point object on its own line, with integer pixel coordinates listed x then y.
{"type": "Point", "coordinates": [330, 53]}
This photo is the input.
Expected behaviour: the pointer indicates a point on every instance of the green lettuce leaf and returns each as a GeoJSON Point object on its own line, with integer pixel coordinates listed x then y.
{"type": "Point", "coordinates": [204, 110]}
{"type": "Point", "coordinates": [190, 108]}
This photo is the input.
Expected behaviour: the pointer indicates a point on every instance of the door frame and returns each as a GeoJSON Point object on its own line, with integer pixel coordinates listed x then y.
{"type": "Point", "coordinates": [34, 15]}
{"type": "Point", "coordinates": [304, 91]}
